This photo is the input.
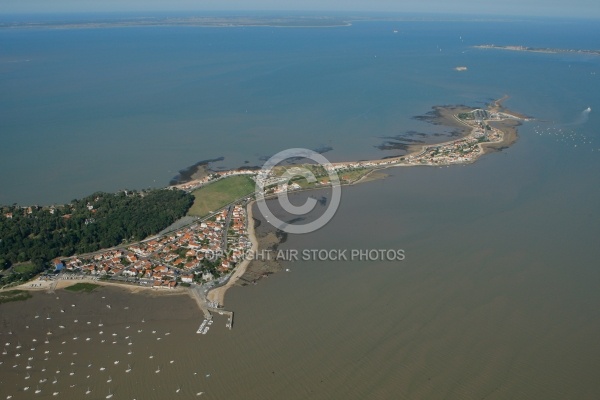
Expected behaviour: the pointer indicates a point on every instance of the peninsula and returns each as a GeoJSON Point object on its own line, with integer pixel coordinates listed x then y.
{"type": "Point", "coordinates": [212, 249]}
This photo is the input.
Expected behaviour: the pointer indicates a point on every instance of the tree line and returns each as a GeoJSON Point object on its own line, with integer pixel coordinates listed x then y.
{"type": "Point", "coordinates": [101, 220]}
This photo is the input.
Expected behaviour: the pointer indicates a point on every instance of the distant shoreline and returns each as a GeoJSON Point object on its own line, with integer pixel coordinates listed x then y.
{"type": "Point", "coordinates": [200, 22]}
{"type": "Point", "coordinates": [547, 50]}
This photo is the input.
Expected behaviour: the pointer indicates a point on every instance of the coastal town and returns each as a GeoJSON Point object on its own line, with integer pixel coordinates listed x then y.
{"type": "Point", "coordinates": [198, 253]}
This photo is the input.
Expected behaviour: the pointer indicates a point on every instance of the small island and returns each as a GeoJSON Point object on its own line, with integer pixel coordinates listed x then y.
{"type": "Point", "coordinates": [549, 50]}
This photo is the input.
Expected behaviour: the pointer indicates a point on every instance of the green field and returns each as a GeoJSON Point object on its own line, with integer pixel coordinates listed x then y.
{"type": "Point", "coordinates": [25, 268]}
{"type": "Point", "coordinates": [218, 194]}
{"type": "Point", "coordinates": [14, 295]}
{"type": "Point", "coordinates": [82, 287]}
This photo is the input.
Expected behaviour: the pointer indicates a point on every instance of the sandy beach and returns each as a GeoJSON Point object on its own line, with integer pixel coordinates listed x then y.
{"type": "Point", "coordinates": [50, 285]}
{"type": "Point", "coordinates": [218, 294]}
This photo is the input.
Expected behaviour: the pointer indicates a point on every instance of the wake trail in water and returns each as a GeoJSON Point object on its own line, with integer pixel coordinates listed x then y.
{"type": "Point", "coordinates": [582, 118]}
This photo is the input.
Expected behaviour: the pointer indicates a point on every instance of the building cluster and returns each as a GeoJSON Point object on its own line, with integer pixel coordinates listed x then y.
{"type": "Point", "coordinates": [464, 150]}
{"type": "Point", "coordinates": [214, 176]}
{"type": "Point", "coordinates": [200, 252]}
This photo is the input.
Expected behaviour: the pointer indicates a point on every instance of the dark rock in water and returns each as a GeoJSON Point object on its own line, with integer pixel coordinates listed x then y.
{"type": "Point", "coordinates": [386, 157]}
{"type": "Point", "coordinates": [392, 146]}
{"type": "Point", "coordinates": [323, 149]}
{"type": "Point", "coordinates": [282, 236]}
{"type": "Point", "coordinates": [252, 168]}
{"type": "Point", "coordinates": [186, 174]}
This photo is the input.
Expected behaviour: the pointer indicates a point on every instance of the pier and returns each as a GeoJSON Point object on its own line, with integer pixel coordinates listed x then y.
{"type": "Point", "coordinates": [197, 295]}
{"type": "Point", "coordinates": [224, 312]}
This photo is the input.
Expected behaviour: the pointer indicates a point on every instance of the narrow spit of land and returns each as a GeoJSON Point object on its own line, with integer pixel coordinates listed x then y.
{"type": "Point", "coordinates": [209, 255]}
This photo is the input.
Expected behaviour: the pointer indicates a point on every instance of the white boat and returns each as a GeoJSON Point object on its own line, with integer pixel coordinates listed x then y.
{"type": "Point", "coordinates": [28, 376]}
{"type": "Point", "coordinates": [26, 388]}
{"type": "Point", "coordinates": [55, 394]}
{"type": "Point", "coordinates": [109, 380]}
{"type": "Point", "coordinates": [158, 370]}
{"type": "Point", "coordinates": [38, 390]}
{"type": "Point", "coordinates": [116, 362]}
{"type": "Point", "coordinates": [54, 381]}
{"type": "Point", "coordinates": [88, 391]}
{"type": "Point", "coordinates": [109, 394]}
{"type": "Point", "coordinates": [128, 368]}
